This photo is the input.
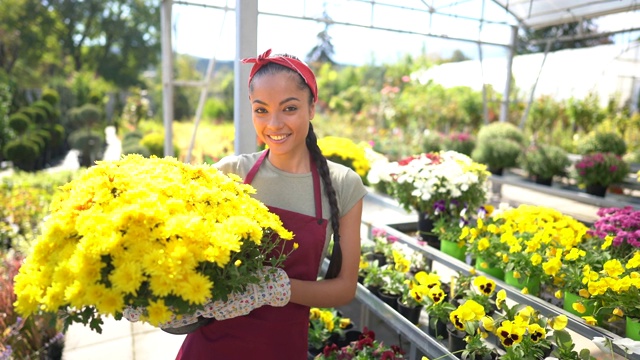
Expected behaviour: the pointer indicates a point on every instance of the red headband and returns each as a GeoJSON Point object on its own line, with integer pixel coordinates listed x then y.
{"type": "Point", "coordinates": [291, 63]}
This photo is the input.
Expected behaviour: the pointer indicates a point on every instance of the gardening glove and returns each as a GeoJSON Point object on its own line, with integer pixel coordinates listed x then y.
{"type": "Point", "coordinates": [274, 290]}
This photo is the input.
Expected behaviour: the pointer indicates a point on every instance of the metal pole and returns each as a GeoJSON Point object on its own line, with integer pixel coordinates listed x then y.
{"type": "Point", "coordinates": [167, 76]}
{"type": "Point", "coordinates": [246, 46]}
{"type": "Point", "coordinates": [504, 111]}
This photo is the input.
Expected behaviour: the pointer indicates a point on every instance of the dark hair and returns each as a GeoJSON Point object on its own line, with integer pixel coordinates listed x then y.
{"type": "Point", "coordinates": [323, 168]}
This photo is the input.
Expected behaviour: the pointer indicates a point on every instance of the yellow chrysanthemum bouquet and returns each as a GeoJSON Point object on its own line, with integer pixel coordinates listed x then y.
{"type": "Point", "coordinates": [151, 233]}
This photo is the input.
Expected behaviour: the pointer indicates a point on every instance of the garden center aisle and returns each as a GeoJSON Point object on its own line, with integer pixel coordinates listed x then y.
{"type": "Point", "coordinates": [123, 340]}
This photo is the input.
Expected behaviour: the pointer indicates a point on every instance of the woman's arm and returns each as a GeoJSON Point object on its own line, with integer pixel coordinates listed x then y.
{"type": "Point", "coordinates": [341, 290]}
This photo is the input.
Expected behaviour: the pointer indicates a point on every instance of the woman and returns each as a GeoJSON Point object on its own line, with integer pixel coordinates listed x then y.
{"type": "Point", "coordinates": [314, 198]}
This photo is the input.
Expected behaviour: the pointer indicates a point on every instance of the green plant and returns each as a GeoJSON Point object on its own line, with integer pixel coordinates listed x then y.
{"type": "Point", "coordinates": [22, 152]}
{"type": "Point", "coordinates": [602, 142]}
{"type": "Point", "coordinates": [432, 141]}
{"type": "Point", "coordinates": [600, 168]}
{"type": "Point", "coordinates": [462, 142]}
{"type": "Point", "coordinates": [365, 348]}
{"type": "Point", "coordinates": [395, 274]}
{"type": "Point", "coordinates": [498, 145]}
{"type": "Point", "coordinates": [323, 323]}
{"type": "Point", "coordinates": [33, 337]}
{"type": "Point", "coordinates": [545, 161]}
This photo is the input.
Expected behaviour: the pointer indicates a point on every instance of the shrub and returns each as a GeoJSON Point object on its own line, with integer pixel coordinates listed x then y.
{"type": "Point", "coordinates": [155, 143]}
{"type": "Point", "coordinates": [463, 143]}
{"type": "Point", "coordinates": [137, 148]}
{"type": "Point", "coordinates": [545, 161]}
{"type": "Point", "coordinates": [51, 96]}
{"type": "Point", "coordinates": [19, 123]}
{"type": "Point", "coordinates": [499, 145]}
{"type": "Point", "coordinates": [602, 142]}
{"type": "Point", "coordinates": [22, 152]}
{"type": "Point", "coordinates": [432, 141]}
{"type": "Point", "coordinates": [600, 168]}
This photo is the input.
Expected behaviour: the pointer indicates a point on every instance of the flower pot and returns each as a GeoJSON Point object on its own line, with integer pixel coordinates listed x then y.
{"type": "Point", "coordinates": [425, 230]}
{"type": "Point", "coordinates": [544, 181]}
{"type": "Point", "coordinates": [633, 328]}
{"type": "Point", "coordinates": [596, 190]}
{"type": "Point", "coordinates": [389, 299]}
{"type": "Point", "coordinates": [437, 329]}
{"type": "Point", "coordinates": [380, 257]}
{"type": "Point", "coordinates": [493, 271]}
{"type": "Point", "coordinates": [496, 171]}
{"type": "Point", "coordinates": [373, 289]}
{"type": "Point", "coordinates": [570, 298]}
{"type": "Point", "coordinates": [531, 283]}
{"type": "Point", "coordinates": [456, 341]}
{"type": "Point", "coordinates": [411, 313]}
{"type": "Point", "coordinates": [451, 248]}
{"type": "Point", "coordinates": [346, 338]}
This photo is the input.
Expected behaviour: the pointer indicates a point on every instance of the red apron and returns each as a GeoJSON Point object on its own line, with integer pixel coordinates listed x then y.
{"type": "Point", "coordinates": [269, 333]}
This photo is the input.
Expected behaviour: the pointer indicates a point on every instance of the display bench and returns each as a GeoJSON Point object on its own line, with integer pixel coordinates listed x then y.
{"type": "Point", "coordinates": [433, 348]}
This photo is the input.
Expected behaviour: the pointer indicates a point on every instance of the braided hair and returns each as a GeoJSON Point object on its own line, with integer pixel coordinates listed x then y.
{"type": "Point", "coordinates": [321, 163]}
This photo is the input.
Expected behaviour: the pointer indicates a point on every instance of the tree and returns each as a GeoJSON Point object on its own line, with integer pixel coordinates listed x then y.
{"type": "Point", "coordinates": [117, 38]}
{"type": "Point", "coordinates": [534, 41]}
{"type": "Point", "coordinates": [24, 44]}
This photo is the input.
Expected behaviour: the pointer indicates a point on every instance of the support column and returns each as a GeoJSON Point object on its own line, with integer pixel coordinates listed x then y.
{"type": "Point", "coordinates": [246, 46]}
{"type": "Point", "coordinates": [167, 76]}
{"type": "Point", "coordinates": [504, 111]}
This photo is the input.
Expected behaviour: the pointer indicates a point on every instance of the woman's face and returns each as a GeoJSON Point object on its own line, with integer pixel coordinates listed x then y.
{"type": "Point", "coordinates": [281, 112]}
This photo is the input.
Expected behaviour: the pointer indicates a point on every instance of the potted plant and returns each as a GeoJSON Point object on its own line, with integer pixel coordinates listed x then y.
{"type": "Point", "coordinates": [413, 298]}
{"type": "Point", "coordinates": [366, 347]}
{"type": "Point", "coordinates": [325, 324]}
{"type": "Point", "coordinates": [523, 332]}
{"type": "Point", "coordinates": [543, 162]}
{"type": "Point", "coordinates": [617, 289]}
{"type": "Point", "coordinates": [394, 275]}
{"type": "Point", "coordinates": [448, 231]}
{"type": "Point", "coordinates": [597, 171]}
{"type": "Point", "coordinates": [498, 146]}
{"type": "Point", "coordinates": [437, 184]}
{"type": "Point", "coordinates": [601, 142]}
{"type": "Point", "coordinates": [461, 142]}
{"type": "Point", "coordinates": [618, 230]}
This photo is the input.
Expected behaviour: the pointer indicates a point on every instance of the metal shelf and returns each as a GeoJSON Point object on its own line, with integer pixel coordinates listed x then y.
{"type": "Point", "coordinates": [575, 323]}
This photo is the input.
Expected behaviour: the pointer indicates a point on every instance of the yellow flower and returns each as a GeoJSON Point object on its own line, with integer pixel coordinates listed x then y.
{"type": "Point", "coordinates": [579, 307]}
{"type": "Point", "coordinates": [608, 240]}
{"type": "Point", "coordinates": [618, 312]}
{"type": "Point", "coordinates": [516, 275]}
{"type": "Point", "coordinates": [158, 312]}
{"type": "Point", "coordinates": [344, 322]}
{"type": "Point", "coordinates": [150, 232]}
{"type": "Point", "coordinates": [559, 322]}
{"type": "Point", "coordinates": [501, 296]}
{"type": "Point", "coordinates": [590, 320]}
{"type": "Point", "coordinates": [613, 268]}
{"type": "Point", "coordinates": [488, 323]}
{"type": "Point", "coordinates": [634, 262]}
{"type": "Point", "coordinates": [558, 294]}
{"type": "Point", "coordinates": [584, 293]}
{"type": "Point", "coordinates": [536, 332]}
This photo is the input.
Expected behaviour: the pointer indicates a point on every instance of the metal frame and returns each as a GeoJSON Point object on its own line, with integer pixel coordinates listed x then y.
{"type": "Point", "coordinates": [246, 46]}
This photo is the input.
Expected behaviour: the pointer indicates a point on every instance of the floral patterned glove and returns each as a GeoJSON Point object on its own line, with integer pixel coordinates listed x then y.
{"type": "Point", "coordinates": [274, 290]}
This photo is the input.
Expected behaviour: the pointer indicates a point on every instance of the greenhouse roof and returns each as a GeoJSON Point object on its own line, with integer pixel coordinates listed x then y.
{"type": "Point", "coordinates": [536, 14]}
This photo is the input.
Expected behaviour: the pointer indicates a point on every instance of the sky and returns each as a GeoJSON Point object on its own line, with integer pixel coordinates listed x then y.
{"type": "Point", "coordinates": [210, 32]}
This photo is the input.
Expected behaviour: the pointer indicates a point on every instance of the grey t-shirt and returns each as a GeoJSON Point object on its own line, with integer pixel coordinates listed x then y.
{"type": "Point", "coordinates": [294, 192]}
